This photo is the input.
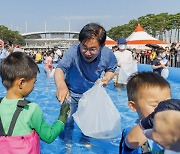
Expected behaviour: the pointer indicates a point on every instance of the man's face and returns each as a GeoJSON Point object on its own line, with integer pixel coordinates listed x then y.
{"type": "Point", "coordinates": [90, 49]}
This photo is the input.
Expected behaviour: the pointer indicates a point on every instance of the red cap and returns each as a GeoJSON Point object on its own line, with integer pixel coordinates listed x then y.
{"type": "Point", "coordinates": [17, 46]}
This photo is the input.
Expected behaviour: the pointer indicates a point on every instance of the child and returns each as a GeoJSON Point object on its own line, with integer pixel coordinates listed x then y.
{"type": "Point", "coordinates": [18, 72]}
{"type": "Point", "coordinates": [164, 62]}
{"type": "Point", "coordinates": [158, 65]}
{"type": "Point", "coordinates": [48, 63]}
{"type": "Point", "coordinates": [145, 90]}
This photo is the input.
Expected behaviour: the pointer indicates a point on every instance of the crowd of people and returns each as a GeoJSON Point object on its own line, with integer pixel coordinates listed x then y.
{"type": "Point", "coordinates": [147, 56]}
{"type": "Point", "coordinates": [38, 55]}
{"type": "Point", "coordinates": [159, 58]}
{"type": "Point", "coordinates": [46, 56]}
{"type": "Point", "coordinates": [76, 72]}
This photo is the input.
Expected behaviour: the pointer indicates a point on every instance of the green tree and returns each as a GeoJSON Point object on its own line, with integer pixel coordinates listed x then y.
{"type": "Point", "coordinates": [9, 36]}
{"type": "Point", "coordinates": [34, 36]}
{"type": "Point", "coordinates": [164, 26]}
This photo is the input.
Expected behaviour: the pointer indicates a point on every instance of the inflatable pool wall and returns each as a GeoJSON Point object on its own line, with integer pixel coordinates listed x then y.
{"type": "Point", "coordinates": [174, 73]}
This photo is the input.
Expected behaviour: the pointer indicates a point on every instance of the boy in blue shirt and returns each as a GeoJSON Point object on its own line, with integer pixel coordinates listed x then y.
{"type": "Point", "coordinates": [145, 90]}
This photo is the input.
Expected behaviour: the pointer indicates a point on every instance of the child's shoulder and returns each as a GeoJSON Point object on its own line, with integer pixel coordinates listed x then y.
{"type": "Point", "coordinates": [32, 106]}
{"type": "Point", "coordinates": [126, 131]}
{"type": "Point", "coordinates": [123, 148]}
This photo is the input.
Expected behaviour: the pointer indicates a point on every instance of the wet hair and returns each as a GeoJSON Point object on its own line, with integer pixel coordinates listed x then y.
{"type": "Point", "coordinates": [142, 80]}
{"type": "Point", "coordinates": [17, 65]}
{"type": "Point", "coordinates": [93, 30]}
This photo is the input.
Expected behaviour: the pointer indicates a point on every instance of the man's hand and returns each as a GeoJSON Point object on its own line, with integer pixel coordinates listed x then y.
{"type": "Point", "coordinates": [62, 92]}
{"type": "Point", "coordinates": [105, 81]}
{"type": "Point", "coordinates": [107, 77]}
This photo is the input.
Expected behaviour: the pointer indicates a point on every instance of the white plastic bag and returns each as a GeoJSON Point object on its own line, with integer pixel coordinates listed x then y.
{"type": "Point", "coordinates": [165, 73]}
{"type": "Point", "coordinates": [97, 115]}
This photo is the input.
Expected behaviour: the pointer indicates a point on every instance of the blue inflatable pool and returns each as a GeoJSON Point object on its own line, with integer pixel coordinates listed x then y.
{"type": "Point", "coordinates": [44, 95]}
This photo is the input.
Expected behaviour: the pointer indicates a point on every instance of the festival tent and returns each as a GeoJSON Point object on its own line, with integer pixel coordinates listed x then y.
{"type": "Point", "coordinates": [139, 38]}
{"type": "Point", "coordinates": [110, 42]}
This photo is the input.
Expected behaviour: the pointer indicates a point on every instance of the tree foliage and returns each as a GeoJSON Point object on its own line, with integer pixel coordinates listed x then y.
{"type": "Point", "coordinates": [36, 36]}
{"type": "Point", "coordinates": [163, 26]}
{"type": "Point", "coordinates": [10, 37]}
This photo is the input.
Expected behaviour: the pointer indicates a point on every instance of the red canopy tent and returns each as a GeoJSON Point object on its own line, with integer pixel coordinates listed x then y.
{"type": "Point", "coordinates": [139, 38]}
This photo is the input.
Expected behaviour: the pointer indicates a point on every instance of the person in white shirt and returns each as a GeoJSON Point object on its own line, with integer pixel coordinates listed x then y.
{"type": "Point", "coordinates": [126, 64]}
{"type": "Point", "coordinates": [57, 54]}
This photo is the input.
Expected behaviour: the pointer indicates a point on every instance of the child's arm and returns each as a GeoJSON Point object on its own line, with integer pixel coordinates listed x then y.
{"type": "Point", "coordinates": [46, 132]}
{"type": "Point", "coordinates": [135, 138]}
{"type": "Point", "coordinates": [156, 67]}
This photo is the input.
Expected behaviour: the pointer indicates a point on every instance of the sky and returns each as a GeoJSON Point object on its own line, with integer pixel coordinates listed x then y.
{"type": "Point", "coordinates": [63, 15]}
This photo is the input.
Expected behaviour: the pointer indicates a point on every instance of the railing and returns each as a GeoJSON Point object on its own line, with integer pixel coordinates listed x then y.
{"type": "Point", "coordinates": [174, 60]}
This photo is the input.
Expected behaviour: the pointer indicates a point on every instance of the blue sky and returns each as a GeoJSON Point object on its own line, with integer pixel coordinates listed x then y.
{"type": "Point", "coordinates": [31, 15]}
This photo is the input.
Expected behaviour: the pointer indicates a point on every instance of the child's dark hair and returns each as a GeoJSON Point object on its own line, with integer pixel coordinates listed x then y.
{"type": "Point", "coordinates": [17, 65]}
{"type": "Point", "coordinates": [142, 80]}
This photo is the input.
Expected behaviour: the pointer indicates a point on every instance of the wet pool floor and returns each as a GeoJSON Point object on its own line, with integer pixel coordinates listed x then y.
{"type": "Point", "coordinates": [44, 95]}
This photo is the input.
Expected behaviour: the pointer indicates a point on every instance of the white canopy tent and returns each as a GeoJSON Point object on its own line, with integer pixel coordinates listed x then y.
{"type": "Point", "coordinates": [139, 38]}
{"type": "Point", "coordinates": [110, 42]}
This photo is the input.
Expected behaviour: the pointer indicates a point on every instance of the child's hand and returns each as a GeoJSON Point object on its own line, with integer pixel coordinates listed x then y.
{"type": "Point", "coordinates": [65, 109]}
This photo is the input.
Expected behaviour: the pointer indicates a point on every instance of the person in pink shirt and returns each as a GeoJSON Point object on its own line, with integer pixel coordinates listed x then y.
{"type": "Point", "coordinates": [48, 64]}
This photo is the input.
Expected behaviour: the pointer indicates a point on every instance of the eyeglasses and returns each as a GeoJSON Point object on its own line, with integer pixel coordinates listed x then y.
{"type": "Point", "coordinates": [85, 49]}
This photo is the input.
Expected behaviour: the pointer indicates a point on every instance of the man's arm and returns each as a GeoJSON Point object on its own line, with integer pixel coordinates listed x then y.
{"type": "Point", "coordinates": [62, 89]}
{"type": "Point", "coordinates": [107, 77]}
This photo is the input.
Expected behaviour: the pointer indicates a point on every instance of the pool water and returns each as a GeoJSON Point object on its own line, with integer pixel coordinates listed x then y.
{"type": "Point", "coordinates": [44, 95]}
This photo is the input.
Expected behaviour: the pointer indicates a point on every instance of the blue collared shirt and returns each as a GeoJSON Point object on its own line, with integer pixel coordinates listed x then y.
{"type": "Point", "coordinates": [81, 75]}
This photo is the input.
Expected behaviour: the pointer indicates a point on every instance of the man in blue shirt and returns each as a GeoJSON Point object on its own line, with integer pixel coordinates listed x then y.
{"type": "Point", "coordinates": [81, 66]}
